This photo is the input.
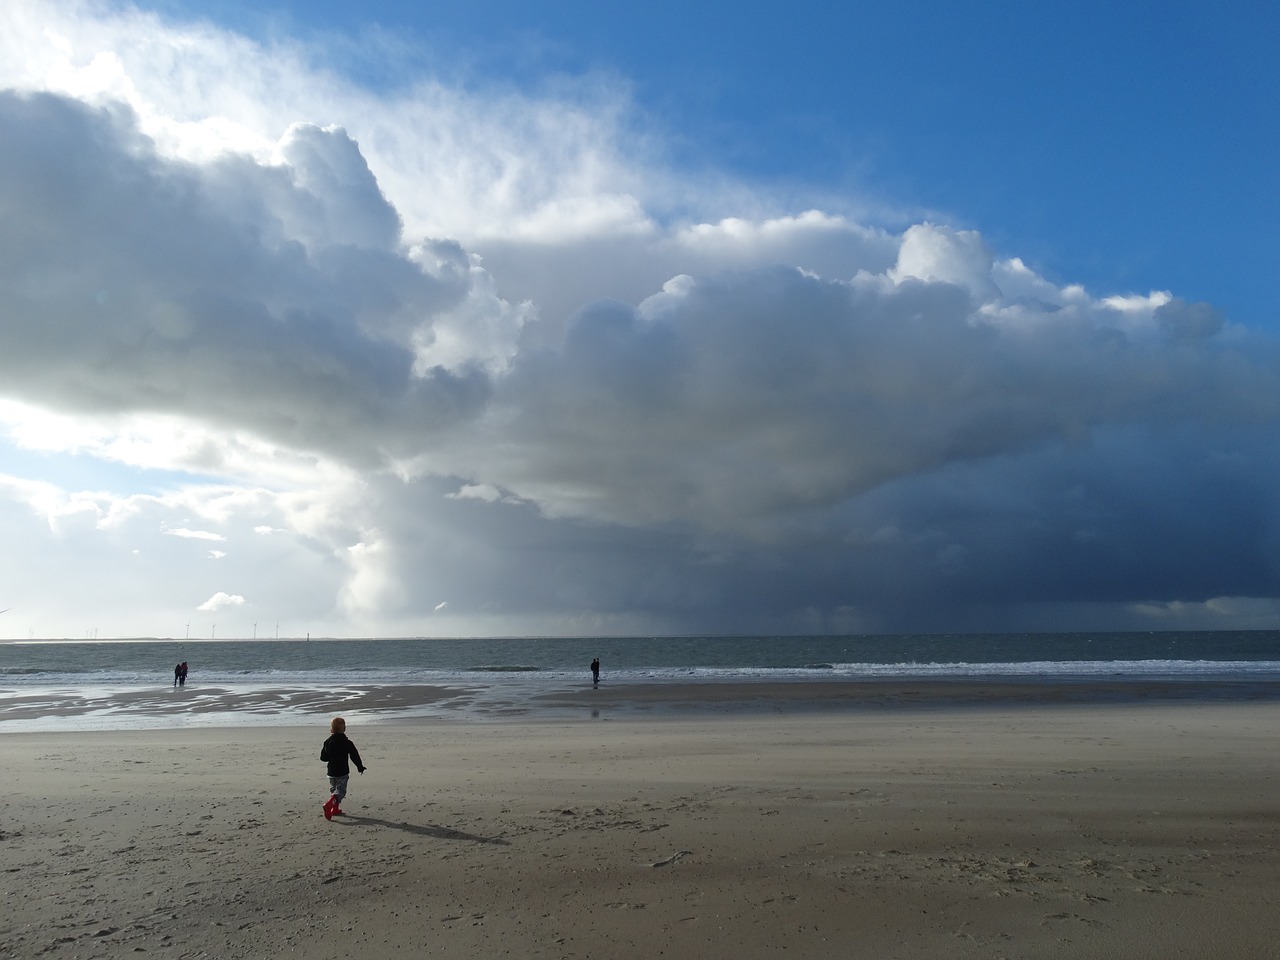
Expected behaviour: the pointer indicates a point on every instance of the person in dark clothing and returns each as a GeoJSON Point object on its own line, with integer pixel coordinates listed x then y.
{"type": "Point", "coordinates": [177, 674]}
{"type": "Point", "coordinates": [335, 752]}
{"type": "Point", "coordinates": [182, 674]}
{"type": "Point", "coordinates": [595, 672]}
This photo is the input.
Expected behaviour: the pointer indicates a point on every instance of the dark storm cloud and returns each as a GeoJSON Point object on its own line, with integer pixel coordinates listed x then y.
{"type": "Point", "coordinates": [779, 449]}
{"type": "Point", "coordinates": [804, 425]}
{"type": "Point", "coordinates": [735, 402]}
{"type": "Point", "coordinates": [1026, 541]}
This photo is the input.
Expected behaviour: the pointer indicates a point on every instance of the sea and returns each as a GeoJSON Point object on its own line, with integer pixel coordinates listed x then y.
{"type": "Point", "coordinates": [111, 683]}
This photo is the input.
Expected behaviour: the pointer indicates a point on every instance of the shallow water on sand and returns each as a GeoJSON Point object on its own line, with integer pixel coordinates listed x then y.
{"type": "Point", "coordinates": [129, 683]}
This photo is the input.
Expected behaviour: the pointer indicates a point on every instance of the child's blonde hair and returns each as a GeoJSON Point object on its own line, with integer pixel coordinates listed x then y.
{"type": "Point", "coordinates": [337, 725]}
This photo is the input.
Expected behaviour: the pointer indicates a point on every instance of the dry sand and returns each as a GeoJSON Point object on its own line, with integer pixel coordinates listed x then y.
{"type": "Point", "coordinates": [1007, 831]}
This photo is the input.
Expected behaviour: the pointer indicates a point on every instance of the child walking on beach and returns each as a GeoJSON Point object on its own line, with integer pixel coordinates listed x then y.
{"type": "Point", "coordinates": [335, 752]}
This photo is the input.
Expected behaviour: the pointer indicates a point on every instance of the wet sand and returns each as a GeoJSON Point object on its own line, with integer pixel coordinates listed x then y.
{"type": "Point", "coordinates": [1001, 830]}
{"type": "Point", "coordinates": [23, 709]}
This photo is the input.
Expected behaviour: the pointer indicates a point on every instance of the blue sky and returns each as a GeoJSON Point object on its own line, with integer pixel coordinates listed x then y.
{"type": "Point", "coordinates": [1126, 146]}
{"type": "Point", "coordinates": [537, 319]}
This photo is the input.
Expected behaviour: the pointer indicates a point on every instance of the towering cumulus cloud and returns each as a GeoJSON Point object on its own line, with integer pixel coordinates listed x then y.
{"type": "Point", "coordinates": [433, 362]}
{"type": "Point", "coordinates": [272, 298]}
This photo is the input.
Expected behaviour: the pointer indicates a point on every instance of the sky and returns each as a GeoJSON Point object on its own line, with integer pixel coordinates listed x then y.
{"type": "Point", "coordinates": [406, 319]}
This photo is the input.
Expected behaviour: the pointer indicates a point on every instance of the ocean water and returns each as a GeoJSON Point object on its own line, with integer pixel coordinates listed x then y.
{"type": "Point", "coordinates": [643, 659]}
{"type": "Point", "coordinates": [97, 675]}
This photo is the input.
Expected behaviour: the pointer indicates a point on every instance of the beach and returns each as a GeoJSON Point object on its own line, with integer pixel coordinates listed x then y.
{"type": "Point", "coordinates": [1010, 829]}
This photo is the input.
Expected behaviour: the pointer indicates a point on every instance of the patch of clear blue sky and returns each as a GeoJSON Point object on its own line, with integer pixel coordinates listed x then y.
{"type": "Point", "coordinates": [1129, 146]}
{"type": "Point", "coordinates": [76, 472]}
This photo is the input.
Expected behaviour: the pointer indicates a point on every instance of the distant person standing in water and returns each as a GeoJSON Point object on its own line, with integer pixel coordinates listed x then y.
{"type": "Point", "coordinates": [182, 674]}
{"type": "Point", "coordinates": [177, 674]}
{"type": "Point", "coordinates": [595, 672]}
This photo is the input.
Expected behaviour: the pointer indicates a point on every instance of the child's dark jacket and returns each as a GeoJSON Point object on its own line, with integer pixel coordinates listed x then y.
{"type": "Point", "coordinates": [336, 750]}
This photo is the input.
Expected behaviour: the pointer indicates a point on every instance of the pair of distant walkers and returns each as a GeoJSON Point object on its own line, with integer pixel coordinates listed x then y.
{"type": "Point", "coordinates": [180, 674]}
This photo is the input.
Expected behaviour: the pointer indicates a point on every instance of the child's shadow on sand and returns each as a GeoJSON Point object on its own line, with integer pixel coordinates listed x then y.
{"type": "Point", "coordinates": [440, 833]}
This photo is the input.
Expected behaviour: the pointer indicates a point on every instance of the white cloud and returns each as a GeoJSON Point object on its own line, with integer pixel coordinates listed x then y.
{"type": "Point", "coordinates": [375, 582]}
{"type": "Point", "coordinates": [477, 491]}
{"type": "Point", "coordinates": [484, 342]}
{"type": "Point", "coordinates": [463, 164]}
{"type": "Point", "coordinates": [938, 254]}
{"type": "Point", "coordinates": [220, 601]}
{"type": "Point", "coordinates": [194, 534]}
